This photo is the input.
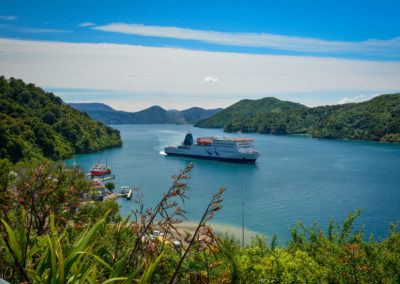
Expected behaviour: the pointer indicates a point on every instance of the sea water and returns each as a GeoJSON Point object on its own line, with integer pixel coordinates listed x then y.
{"type": "Point", "coordinates": [296, 178]}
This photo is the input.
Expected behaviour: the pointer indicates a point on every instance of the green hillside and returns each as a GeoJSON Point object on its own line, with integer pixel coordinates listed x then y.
{"type": "Point", "coordinates": [377, 119]}
{"type": "Point", "coordinates": [34, 123]}
{"type": "Point", "coordinates": [245, 109]}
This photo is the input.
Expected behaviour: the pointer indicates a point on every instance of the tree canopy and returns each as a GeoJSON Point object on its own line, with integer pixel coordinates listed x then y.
{"type": "Point", "coordinates": [245, 109]}
{"type": "Point", "coordinates": [377, 120]}
{"type": "Point", "coordinates": [35, 124]}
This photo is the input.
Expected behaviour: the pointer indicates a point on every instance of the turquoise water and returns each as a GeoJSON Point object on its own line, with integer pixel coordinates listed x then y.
{"type": "Point", "coordinates": [295, 178]}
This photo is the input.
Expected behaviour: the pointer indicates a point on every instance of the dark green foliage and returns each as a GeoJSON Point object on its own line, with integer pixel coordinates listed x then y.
{"type": "Point", "coordinates": [377, 120]}
{"type": "Point", "coordinates": [154, 114]}
{"type": "Point", "coordinates": [5, 176]}
{"type": "Point", "coordinates": [245, 109]}
{"type": "Point", "coordinates": [66, 247]}
{"type": "Point", "coordinates": [34, 123]}
{"type": "Point", "coordinates": [110, 186]}
{"type": "Point", "coordinates": [312, 255]}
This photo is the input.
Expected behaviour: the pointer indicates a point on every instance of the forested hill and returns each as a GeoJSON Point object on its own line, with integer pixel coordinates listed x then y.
{"type": "Point", "coordinates": [245, 109]}
{"type": "Point", "coordinates": [377, 119]}
{"type": "Point", "coordinates": [151, 115]}
{"type": "Point", "coordinates": [35, 123]}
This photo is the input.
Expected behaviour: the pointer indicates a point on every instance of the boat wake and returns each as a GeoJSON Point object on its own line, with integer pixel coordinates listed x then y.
{"type": "Point", "coordinates": [163, 153]}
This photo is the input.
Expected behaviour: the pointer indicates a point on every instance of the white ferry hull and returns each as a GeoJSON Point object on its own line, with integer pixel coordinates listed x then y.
{"type": "Point", "coordinates": [208, 153]}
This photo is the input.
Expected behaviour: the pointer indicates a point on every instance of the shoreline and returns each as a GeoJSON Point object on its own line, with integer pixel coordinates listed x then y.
{"type": "Point", "coordinates": [223, 229]}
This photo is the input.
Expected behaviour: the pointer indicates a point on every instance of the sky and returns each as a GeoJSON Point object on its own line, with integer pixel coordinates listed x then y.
{"type": "Point", "coordinates": [178, 54]}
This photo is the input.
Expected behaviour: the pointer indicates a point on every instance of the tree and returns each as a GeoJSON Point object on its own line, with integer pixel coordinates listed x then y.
{"type": "Point", "coordinates": [47, 187]}
{"type": "Point", "coordinates": [110, 186]}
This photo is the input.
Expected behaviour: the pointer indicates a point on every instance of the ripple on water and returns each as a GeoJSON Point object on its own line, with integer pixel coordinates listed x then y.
{"type": "Point", "coordinates": [294, 179]}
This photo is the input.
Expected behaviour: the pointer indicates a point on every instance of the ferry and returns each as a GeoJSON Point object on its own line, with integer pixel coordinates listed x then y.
{"type": "Point", "coordinates": [216, 148]}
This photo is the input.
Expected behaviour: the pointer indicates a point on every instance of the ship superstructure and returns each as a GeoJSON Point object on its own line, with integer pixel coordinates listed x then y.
{"type": "Point", "coordinates": [216, 148]}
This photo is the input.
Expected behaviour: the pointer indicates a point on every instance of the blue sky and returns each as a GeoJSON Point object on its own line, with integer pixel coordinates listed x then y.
{"type": "Point", "coordinates": [177, 54]}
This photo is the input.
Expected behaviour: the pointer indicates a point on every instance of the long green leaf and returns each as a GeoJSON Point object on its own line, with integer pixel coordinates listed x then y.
{"type": "Point", "coordinates": [34, 276]}
{"type": "Point", "coordinates": [16, 248]}
{"type": "Point", "coordinates": [22, 237]}
{"type": "Point", "coordinates": [81, 244]}
{"type": "Point", "coordinates": [94, 274]}
{"type": "Point", "coordinates": [44, 260]}
{"type": "Point", "coordinates": [86, 274]}
{"type": "Point", "coordinates": [132, 276]}
{"type": "Point", "coordinates": [53, 262]}
{"type": "Point", "coordinates": [102, 262]}
{"type": "Point", "coordinates": [120, 264]}
{"type": "Point", "coordinates": [148, 273]}
{"type": "Point", "coordinates": [40, 244]}
{"type": "Point", "coordinates": [114, 279]}
{"type": "Point", "coordinates": [61, 275]}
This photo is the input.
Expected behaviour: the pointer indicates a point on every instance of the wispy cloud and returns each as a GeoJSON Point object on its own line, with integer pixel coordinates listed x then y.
{"type": "Point", "coordinates": [162, 74]}
{"type": "Point", "coordinates": [390, 48]}
{"type": "Point", "coordinates": [8, 18]}
{"type": "Point", "coordinates": [358, 98]}
{"type": "Point", "coordinates": [86, 24]}
{"type": "Point", "coordinates": [31, 30]}
{"type": "Point", "coordinates": [38, 30]}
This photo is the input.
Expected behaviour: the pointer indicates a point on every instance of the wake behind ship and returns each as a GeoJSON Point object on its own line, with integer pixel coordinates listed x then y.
{"type": "Point", "coordinates": [216, 148]}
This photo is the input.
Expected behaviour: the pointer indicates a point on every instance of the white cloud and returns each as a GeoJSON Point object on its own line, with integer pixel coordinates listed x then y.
{"type": "Point", "coordinates": [162, 74]}
{"type": "Point", "coordinates": [212, 80]}
{"type": "Point", "coordinates": [390, 48]}
{"type": "Point", "coordinates": [362, 97]}
{"type": "Point", "coordinates": [356, 99]}
{"type": "Point", "coordinates": [39, 30]}
{"type": "Point", "coordinates": [8, 18]}
{"type": "Point", "coordinates": [31, 30]}
{"type": "Point", "coordinates": [86, 24]}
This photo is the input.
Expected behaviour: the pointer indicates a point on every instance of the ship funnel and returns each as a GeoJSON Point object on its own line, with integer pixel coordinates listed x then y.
{"type": "Point", "coordinates": [188, 139]}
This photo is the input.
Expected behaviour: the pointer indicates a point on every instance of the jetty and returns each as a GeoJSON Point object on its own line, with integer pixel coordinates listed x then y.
{"type": "Point", "coordinates": [129, 195]}
{"type": "Point", "coordinates": [107, 178]}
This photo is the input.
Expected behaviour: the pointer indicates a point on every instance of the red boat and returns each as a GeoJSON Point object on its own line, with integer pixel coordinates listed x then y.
{"type": "Point", "coordinates": [99, 170]}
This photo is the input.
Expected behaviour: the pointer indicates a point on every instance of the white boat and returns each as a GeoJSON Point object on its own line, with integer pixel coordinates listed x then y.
{"type": "Point", "coordinates": [216, 148]}
{"type": "Point", "coordinates": [124, 189]}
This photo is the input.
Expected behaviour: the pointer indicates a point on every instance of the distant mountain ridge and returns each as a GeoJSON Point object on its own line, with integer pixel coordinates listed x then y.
{"type": "Point", "coordinates": [91, 106]}
{"type": "Point", "coordinates": [152, 115]}
{"type": "Point", "coordinates": [245, 109]}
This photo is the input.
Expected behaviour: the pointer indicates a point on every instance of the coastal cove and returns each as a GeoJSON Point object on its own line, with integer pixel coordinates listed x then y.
{"type": "Point", "coordinates": [295, 178]}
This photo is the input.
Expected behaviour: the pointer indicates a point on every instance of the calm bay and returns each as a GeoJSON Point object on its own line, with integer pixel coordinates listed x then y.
{"type": "Point", "coordinates": [295, 178]}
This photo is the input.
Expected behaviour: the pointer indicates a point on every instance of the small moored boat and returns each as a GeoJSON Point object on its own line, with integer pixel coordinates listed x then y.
{"type": "Point", "coordinates": [125, 190]}
{"type": "Point", "coordinates": [100, 170]}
